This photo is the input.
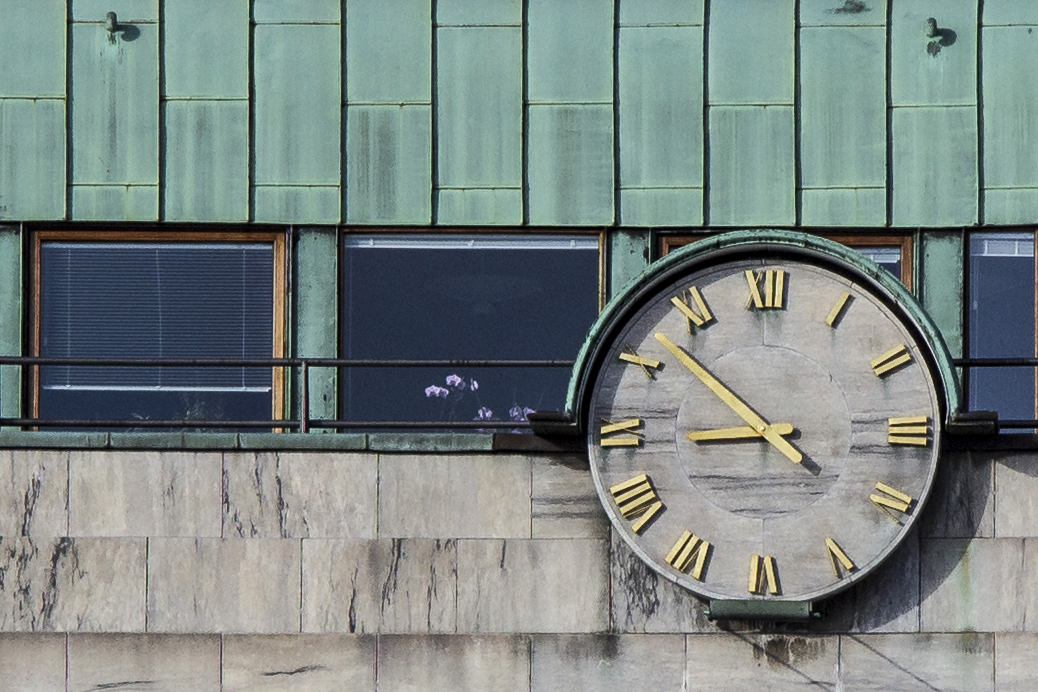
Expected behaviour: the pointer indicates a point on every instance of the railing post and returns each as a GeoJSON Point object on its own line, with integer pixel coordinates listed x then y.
{"type": "Point", "coordinates": [304, 397]}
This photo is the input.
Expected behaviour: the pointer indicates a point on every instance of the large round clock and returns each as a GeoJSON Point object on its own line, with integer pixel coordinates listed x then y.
{"type": "Point", "coordinates": [765, 423]}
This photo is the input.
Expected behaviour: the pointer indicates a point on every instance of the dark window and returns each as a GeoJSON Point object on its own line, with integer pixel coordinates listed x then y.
{"type": "Point", "coordinates": [156, 300]}
{"type": "Point", "coordinates": [463, 297]}
{"type": "Point", "coordinates": [1001, 322]}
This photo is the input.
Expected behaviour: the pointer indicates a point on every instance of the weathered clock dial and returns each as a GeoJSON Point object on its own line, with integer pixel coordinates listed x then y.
{"type": "Point", "coordinates": [765, 426]}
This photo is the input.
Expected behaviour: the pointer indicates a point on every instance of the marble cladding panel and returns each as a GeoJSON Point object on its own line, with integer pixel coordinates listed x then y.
{"type": "Point", "coordinates": [388, 585]}
{"type": "Point", "coordinates": [443, 663]}
{"type": "Point", "coordinates": [299, 495]}
{"type": "Point", "coordinates": [67, 584]}
{"type": "Point", "coordinates": [962, 501]}
{"type": "Point", "coordinates": [886, 601]}
{"type": "Point", "coordinates": [565, 504]}
{"type": "Point", "coordinates": [33, 662]}
{"type": "Point", "coordinates": [539, 585]}
{"type": "Point", "coordinates": [144, 493]}
{"type": "Point", "coordinates": [1016, 505]}
{"type": "Point", "coordinates": [152, 662]}
{"type": "Point", "coordinates": [458, 496]}
{"type": "Point", "coordinates": [983, 585]}
{"type": "Point", "coordinates": [298, 663]}
{"type": "Point", "coordinates": [33, 492]}
{"type": "Point", "coordinates": [1016, 666]}
{"type": "Point", "coordinates": [776, 662]}
{"type": "Point", "coordinates": [224, 585]}
{"type": "Point", "coordinates": [643, 601]}
{"type": "Point", "coordinates": [917, 662]}
{"type": "Point", "coordinates": [603, 662]}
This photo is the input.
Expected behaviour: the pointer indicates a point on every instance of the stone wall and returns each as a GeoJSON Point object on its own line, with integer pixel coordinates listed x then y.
{"type": "Point", "coordinates": [318, 571]}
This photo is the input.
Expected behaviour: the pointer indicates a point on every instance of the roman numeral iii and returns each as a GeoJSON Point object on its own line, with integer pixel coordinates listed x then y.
{"type": "Point", "coordinates": [687, 548]}
{"type": "Point", "coordinates": [767, 287]}
{"type": "Point", "coordinates": [636, 497]}
{"type": "Point", "coordinates": [909, 430]}
{"type": "Point", "coordinates": [631, 438]}
{"type": "Point", "coordinates": [691, 304]}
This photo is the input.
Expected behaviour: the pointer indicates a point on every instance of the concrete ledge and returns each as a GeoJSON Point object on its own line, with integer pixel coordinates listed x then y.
{"type": "Point", "coordinates": [172, 440]}
{"type": "Point", "coordinates": [279, 441]}
{"type": "Point", "coordinates": [430, 442]}
{"type": "Point", "coordinates": [21, 439]}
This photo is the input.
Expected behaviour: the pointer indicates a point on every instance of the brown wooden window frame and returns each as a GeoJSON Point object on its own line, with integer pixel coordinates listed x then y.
{"type": "Point", "coordinates": [905, 242]}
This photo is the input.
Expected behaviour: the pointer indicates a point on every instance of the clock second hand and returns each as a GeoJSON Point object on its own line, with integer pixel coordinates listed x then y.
{"type": "Point", "coordinates": [732, 401]}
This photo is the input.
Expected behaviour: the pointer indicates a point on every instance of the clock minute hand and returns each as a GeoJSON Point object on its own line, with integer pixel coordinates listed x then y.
{"type": "Point", "coordinates": [732, 401]}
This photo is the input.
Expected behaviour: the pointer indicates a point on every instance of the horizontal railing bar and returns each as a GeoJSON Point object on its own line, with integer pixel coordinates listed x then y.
{"type": "Point", "coordinates": [1018, 423]}
{"type": "Point", "coordinates": [288, 362]}
{"type": "Point", "coordinates": [194, 424]}
{"type": "Point", "coordinates": [995, 362]}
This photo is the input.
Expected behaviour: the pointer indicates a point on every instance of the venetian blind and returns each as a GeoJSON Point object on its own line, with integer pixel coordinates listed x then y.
{"type": "Point", "coordinates": [174, 300]}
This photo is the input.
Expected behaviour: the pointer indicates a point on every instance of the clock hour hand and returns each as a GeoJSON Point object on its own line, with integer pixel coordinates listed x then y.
{"type": "Point", "coordinates": [743, 432]}
{"type": "Point", "coordinates": [732, 401]}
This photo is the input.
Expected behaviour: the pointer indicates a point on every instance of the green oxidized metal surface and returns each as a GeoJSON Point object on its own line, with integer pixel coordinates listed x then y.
{"type": "Point", "coordinates": [705, 251]}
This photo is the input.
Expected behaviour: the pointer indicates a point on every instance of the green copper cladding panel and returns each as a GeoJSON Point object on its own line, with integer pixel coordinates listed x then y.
{"type": "Point", "coordinates": [1010, 82]}
{"type": "Point", "coordinates": [316, 311]}
{"type": "Point", "coordinates": [32, 159]}
{"type": "Point", "coordinates": [661, 206]}
{"type": "Point", "coordinates": [32, 48]}
{"type": "Point", "coordinates": [115, 105]}
{"type": "Point", "coordinates": [1009, 12]}
{"type": "Point", "coordinates": [482, 13]}
{"type": "Point", "coordinates": [661, 107]}
{"type": "Point", "coordinates": [296, 203]}
{"type": "Point", "coordinates": [944, 73]}
{"type": "Point", "coordinates": [388, 51]}
{"type": "Point", "coordinates": [570, 160]}
{"type": "Point", "coordinates": [750, 46]}
{"type": "Point", "coordinates": [206, 48]}
{"type": "Point", "coordinates": [843, 206]}
{"type": "Point", "coordinates": [941, 272]}
{"type": "Point", "coordinates": [935, 166]}
{"type": "Point", "coordinates": [569, 54]}
{"type": "Point", "coordinates": [751, 166]}
{"type": "Point", "coordinates": [206, 161]}
{"type": "Point", "coordinates": [629, 252]}
{"type": "Point", "coordinates": [668, 12]}
{"type": "Point", "coordinates": [127, 10]}
{"type": "Point", "coordinates": [479, 206]}
{"type": "Point", "coordinates": [843, 13]}
{"type": "Point", "coordinates": [1010, 206]}
{"type": "Point", "coordinates": [843, 111]}
{"type": "Point", "coordinates": [297, 104]}
{"type": "Point", "coordinates": [10, 318]}
{"type": "Point", "coordinates": [479, 108]}
{"type": "Point", "coordinates": [388, 164]}
{"type": "Point", "coordinates": [307, 11]}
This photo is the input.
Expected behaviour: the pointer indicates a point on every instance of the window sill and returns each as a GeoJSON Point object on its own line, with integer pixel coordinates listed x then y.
{"type": "Point", "coordinates": [372, 442]}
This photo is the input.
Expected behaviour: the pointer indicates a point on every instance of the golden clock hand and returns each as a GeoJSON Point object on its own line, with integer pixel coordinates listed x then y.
{"type": "Point", "coordinates": [740, 433]}
{"type": "Point", "coordinates": [732, 401]}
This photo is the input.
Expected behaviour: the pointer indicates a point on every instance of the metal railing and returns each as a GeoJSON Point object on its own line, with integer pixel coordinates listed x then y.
{"type": "Point", "coordinates": [967, 364]}
{"type": "Point", "coordinates": [301, 394]}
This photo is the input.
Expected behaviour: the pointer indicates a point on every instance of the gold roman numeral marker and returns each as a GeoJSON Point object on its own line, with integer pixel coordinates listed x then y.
{"type": "Point", "coordinates": [891, 499]}
{"type": "Point", "coordinates": [636, 497]}
{"type": "Point", "coordinates": [833, 320]}
{"type": "Point", "coordinates": [629, 356]}
{"type": "Point", "coordinates": [909, 430]}
{"type": "Point", "coordinates": [691, 304]}
{"type": "Point", "coordinates": [689, 547]}
{"type": "Point", "coordinates": [767, 287]}
{"type": "Point", "coordinates": [837, 558]}
{"type": "Point", "coordinates": [762, 571]}
{"type": "Point", "coordinates": [894, 358]}
{"type": "Point", "coordinates": [633, 438]}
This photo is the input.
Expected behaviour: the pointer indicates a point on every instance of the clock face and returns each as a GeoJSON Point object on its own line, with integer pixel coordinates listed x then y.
{"type": "Point", "coordinates": [764, 429]}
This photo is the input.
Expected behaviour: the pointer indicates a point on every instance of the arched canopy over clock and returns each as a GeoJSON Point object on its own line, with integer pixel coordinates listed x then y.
{"type": "Point", "coordinates": [763, 413]}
